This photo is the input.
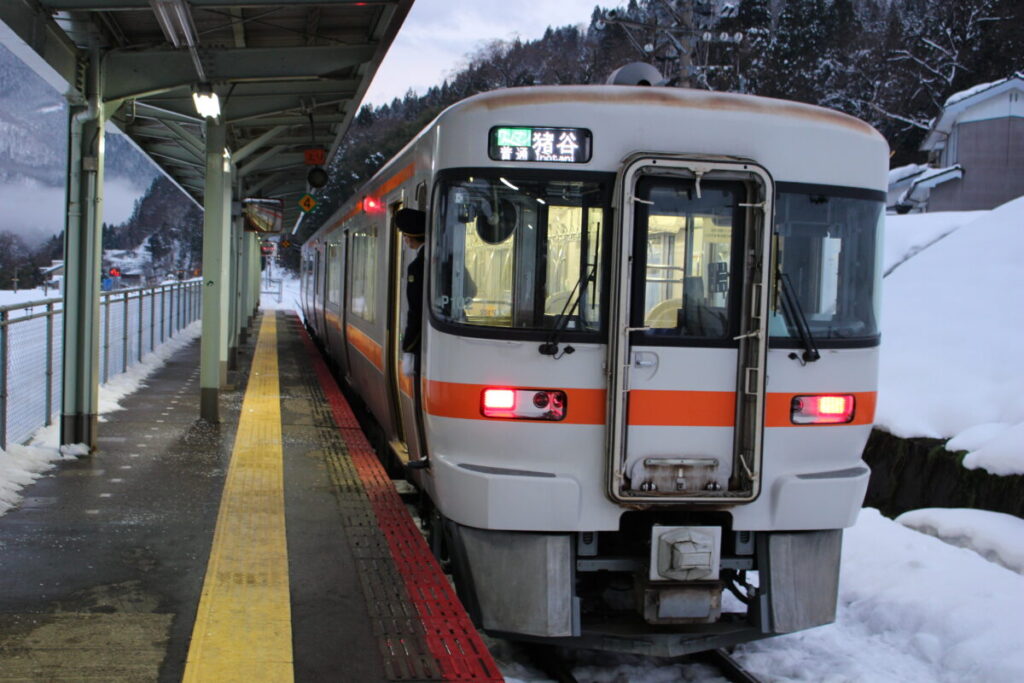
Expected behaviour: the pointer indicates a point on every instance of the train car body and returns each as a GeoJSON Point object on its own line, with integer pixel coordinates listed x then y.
{"type": "Point", "coordinates": [649, 354]}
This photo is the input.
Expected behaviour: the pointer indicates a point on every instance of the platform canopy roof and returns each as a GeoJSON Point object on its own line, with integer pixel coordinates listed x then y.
{"type": "Point", "coordinates": [289, 74]}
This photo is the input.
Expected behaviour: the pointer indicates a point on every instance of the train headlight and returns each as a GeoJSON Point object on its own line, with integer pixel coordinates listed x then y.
{"type": "Point", "coordinates": [523, 404]}
{"type": "Point", "coordinates": [822, 409]}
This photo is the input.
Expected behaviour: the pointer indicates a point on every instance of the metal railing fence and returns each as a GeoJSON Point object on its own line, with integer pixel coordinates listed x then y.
{"type": "Point", "coordinates": [133, 322]}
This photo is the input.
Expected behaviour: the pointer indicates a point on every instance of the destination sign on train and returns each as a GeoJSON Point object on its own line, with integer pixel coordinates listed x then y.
{"type": "Point", "coordinates": [522, 143]}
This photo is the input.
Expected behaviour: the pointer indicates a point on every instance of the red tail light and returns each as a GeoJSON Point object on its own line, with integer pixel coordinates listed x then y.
{"type": "Point", "coordinates": [523, 404]}
{"type": "Point", "coordinates": [499, 399]}
{"type": "Point", "coordinates": [823, 409]}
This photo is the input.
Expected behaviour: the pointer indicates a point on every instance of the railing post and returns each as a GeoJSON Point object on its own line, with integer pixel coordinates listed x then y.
{"type": "Point", "coordinates": [142, 316]}
{"type": "Point", "coordinates": [3, 379]}
{"type": "Point", "coordinates": [152, 320]}
{"type": "Point", "coordinates": [106, 337]}
{"type": "Point", "coordinates": [49, 364]}
{"type": "Point", "coordinates": [163, 312]}
{"type": "Point", "coordinates": [124, 335]}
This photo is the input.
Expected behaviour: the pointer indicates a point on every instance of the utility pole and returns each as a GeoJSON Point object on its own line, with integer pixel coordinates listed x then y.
{"type": "Point", "coordinates": [676, 31]}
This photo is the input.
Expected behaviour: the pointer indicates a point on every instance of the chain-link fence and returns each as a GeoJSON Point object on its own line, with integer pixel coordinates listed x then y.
{"type": "Point", "coordinates": [133, 322]}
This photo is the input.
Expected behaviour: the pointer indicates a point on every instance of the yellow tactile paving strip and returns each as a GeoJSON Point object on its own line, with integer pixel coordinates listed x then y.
{"type": "Point", "coordinates": [243, 625]}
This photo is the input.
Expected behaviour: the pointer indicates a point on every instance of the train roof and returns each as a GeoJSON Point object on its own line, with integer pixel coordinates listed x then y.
{"type": "Point", "coordinates": [796, 142]}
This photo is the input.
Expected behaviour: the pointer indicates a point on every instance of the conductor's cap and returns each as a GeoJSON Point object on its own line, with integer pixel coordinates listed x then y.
{"type": "Point", "coordinates": [411, 222]}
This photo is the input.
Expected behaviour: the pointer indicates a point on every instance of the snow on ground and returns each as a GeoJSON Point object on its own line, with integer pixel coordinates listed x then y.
{"type": "Point", "coordinates": [280, 291]}
{"type": "Point", "coordinates": [911, 608]}
{"type": "Point", "coordinates": [952, 326]}
{"type": "Point", "coordinates": [8, 297]}
{"type": "Point", "coordinates": [22, 465]}
{"type": "Point", "coordinates": [996, 536]}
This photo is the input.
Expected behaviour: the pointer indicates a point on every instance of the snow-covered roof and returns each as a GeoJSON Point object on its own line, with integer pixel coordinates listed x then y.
{"type": "Point", "coordinates": [901, 175]}
{"type": "Point", "coordinates": [957, 103]}
{"type": "Point", "coordinates": [922, 184]}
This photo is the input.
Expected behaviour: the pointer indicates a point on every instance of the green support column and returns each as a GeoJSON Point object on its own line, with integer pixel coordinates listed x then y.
{"type": "Point", "coordinates": [217, 207]}
{"type": "Point", "coordinates": [233, 296]}
{"type": "Point", "coordinates": [83, 244]}
{"type": "Point", "coordinates": [229, 270]}
{"type": "Point", "coordinates": [242, 293]}
{"type": "Point", "coordinates": [254, 285]}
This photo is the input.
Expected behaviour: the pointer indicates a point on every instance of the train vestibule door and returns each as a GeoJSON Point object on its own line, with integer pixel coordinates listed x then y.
{"type": "Point", "coordinates": [405, 441]}
{"type": "Point", "coordinates": [689, 333]}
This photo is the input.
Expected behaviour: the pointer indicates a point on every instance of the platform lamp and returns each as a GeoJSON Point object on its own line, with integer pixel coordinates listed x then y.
{"type": "Point", "coordinates": [206, 100]}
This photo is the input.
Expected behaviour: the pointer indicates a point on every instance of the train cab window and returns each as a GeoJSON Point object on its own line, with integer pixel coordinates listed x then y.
{"type": "Point", "coordinates": [687, 236]}
{"type": "Point", "coordinates": [363, 268]}
{"type": "Point", "coordinates": [520, 251]}
{"type": "Point", "coordinates": [828, 247]}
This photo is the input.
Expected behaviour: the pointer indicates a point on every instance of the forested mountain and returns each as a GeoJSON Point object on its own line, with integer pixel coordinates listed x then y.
{"type": "Point", "coordinates": [166, 225]}
{"type": "Point", "coordinates": [33, 160]}
{"type": "Point", "coordinates": [890, 62]}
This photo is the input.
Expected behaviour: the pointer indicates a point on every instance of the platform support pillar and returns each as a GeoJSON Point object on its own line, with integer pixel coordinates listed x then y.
{"type": "Point", "coordinates": [83, 251]}
{"type": "Point", "coordinates": [213, 361]}
{"type": "Point", "coordinates": [257, 275]}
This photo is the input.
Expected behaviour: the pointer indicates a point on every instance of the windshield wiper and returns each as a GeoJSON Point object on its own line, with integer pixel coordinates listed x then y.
{"type": "Point", "coordinates": [795, 319]}
{"type": "Point", "coordinates": [550, 346]}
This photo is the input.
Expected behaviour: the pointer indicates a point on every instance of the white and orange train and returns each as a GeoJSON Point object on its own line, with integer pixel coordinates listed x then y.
{"type": "Point", "coordinates": [649, 354]}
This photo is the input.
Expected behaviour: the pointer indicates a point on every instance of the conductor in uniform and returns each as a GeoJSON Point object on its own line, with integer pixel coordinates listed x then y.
{"type": "Point", "coordinates": [412, 224]}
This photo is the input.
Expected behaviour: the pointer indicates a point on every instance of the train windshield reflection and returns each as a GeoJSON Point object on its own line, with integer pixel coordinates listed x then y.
{"type": "Point", "coordinates": [828, 245]}
{"type": "Point", "coordinates": [516, 251]}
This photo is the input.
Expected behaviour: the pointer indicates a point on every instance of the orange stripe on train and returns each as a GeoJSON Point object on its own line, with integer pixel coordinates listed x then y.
{"type": "Point", "coordinates": [362, 343]}
{"type": "Point", "coordinates": [647, 408]}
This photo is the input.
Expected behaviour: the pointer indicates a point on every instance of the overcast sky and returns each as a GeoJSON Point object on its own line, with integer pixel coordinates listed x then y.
{"type": "Point", "coordinates": [438, 35]}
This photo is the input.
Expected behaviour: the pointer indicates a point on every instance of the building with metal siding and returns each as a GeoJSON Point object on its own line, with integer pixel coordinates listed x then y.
{"type": "Point", "coordinates": [981, 130]}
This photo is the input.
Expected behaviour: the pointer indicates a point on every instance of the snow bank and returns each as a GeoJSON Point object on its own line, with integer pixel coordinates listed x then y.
{"type": "Point", "coordinates": [909, 234]}
{"type": "Point", "coordinates": [952, 325]}
{"type": "Point", "coordinates": [22, 465]}
{"type": "Point", "coordinates": [995, 536]}
{"type": "Point", "coordinates": [911, 608]}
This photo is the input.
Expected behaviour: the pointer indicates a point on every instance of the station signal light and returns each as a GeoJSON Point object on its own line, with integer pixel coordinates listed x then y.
{"type": "Point", "coordinates": [115, 272]}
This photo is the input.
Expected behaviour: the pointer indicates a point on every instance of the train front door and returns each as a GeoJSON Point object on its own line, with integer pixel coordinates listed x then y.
{"type": "Point", "coordinates": [688, 344]}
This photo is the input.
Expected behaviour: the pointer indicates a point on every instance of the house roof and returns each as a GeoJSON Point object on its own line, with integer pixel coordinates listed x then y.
{"type": "Point", "coordinates": [959, 102]}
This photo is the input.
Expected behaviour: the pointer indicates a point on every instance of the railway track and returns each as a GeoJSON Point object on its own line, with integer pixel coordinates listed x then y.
{"type": "Point", "coordinates": [556, 666]}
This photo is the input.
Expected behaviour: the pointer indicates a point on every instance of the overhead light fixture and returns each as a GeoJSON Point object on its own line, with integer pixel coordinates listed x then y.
{"type": "Point", "coordinates": [175, 21]}
{"type": "Point", "coordinates": [206, 101]}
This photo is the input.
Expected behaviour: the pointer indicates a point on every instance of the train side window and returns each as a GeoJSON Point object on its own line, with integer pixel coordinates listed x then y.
{"type": "Point", "coordinates": [334, 268]}
{"type": "Point", "coordinates": [362, 287]}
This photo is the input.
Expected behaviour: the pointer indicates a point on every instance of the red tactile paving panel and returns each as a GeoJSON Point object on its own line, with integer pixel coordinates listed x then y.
{"type": "Point", "coordinates": [453, 642]}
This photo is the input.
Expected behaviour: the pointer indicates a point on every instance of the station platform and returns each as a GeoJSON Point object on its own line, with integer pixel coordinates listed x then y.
{"type": "Point", "coordinates": [269, 547]}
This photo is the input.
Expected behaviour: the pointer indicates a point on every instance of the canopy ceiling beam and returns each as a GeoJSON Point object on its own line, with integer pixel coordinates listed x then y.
{"type": "Point", "coordinates": [136, 73]}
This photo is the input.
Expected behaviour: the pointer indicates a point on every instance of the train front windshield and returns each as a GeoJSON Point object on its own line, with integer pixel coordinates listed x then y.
{"type": "Point", "coordinates": [520, 251]}
{"type": "Point", "coordinates": [829, 249]}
